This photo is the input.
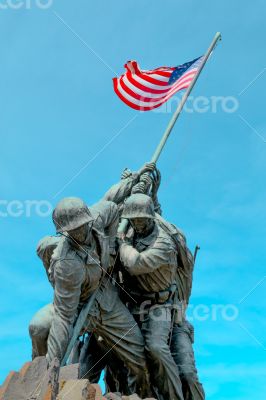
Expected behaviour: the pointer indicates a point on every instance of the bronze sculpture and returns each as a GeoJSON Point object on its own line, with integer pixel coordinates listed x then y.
{"type": "Point", "coordinates": [87, 259]}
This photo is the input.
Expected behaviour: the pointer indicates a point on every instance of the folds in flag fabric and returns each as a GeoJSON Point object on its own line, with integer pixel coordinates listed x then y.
{"type": "Point", "coordinates": [145, 90]}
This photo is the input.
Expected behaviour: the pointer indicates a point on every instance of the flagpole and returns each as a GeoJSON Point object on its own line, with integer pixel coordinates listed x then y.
{"type": "Point", "coordinates": [172, 122]}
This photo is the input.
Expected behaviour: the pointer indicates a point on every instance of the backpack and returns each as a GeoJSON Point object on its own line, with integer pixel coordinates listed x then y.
{"type": "Point", "coordinates": [185, 259]}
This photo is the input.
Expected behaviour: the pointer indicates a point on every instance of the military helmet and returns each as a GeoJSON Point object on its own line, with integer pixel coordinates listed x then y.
{"type": "Point", "coordinates": [71, 213]}
{"type": "Point", "coordinates": [138, 206]}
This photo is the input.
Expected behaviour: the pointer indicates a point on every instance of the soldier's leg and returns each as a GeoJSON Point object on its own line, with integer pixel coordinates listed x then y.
{"type": "Point", "coordinates": [122, 336]}
{"type": "Point", "coordinates": [156, 327]}
{"type": "Point", "coordinates": [39, 330]}
{"type": "Point", "coordinates": [95, 357]}
{"type": "Point", "coordinates": [116, 376]}
{"type": "Point", "coordinates": [92, 360]}
{"type": "Point", "coordinates": [183, 354]}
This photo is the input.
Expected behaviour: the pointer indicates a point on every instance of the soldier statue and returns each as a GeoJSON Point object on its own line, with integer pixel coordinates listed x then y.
{"type": "Point", "coordinates": [149, 257]}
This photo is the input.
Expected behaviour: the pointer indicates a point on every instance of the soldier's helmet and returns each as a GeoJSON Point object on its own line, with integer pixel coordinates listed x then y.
{"type": "Point", "coordinates": [46, 247]}
{"type": "Point", "coordinates": [138, 206]}
{"type": "Point", "coordinates": [71, 213]}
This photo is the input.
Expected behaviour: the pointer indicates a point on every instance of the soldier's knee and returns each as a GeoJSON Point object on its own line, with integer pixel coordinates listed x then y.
{"type": "Point", "coordinates": [189, 377]}
{"type": "Point", "coordinates": [188, 372]}
{"type": "Point", "coordinates": [38, 331]}
{"type": "Point", "coordinates": [155, 349]}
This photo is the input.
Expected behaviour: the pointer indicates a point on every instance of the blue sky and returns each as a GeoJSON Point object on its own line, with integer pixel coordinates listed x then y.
{"type": "Point", "coordinates": [65, 133]}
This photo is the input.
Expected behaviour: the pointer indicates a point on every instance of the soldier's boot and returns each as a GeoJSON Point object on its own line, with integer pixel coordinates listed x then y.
{"type": "Point", "coordinates": [183, 354]}
{"type": "Point", "coordinates": [192, 388]}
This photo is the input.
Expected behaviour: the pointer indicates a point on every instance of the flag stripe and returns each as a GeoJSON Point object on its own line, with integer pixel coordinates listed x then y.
{"type": "Point", "coordinates": [133, 81]}
{"type": "Point", "coordinates": [138, 88]}
{"type": "Point", "coordinates": [147, 85]}
{"type": "Point", "coordinates": [167, 74]}
{"type": "Point", "coordinates": [152, 80]}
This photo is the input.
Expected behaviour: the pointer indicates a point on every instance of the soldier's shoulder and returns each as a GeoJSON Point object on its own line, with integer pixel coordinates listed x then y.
{"type": "Point", "coordinates": [170, 228]}
{"type": "Point", "coordinates": [63, 251]}
{"type": "Point", "coordinates": [100, 210]}
{"type": "Point", "coordinates": [163, 237]}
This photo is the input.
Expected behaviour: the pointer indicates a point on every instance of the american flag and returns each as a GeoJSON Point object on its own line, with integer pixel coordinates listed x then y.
{"type": "Point", "coordinates": [145, 90]}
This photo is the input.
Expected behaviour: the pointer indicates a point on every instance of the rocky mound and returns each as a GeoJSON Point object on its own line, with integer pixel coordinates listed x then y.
{"type": "Point", "coordinates": [35, 382]}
